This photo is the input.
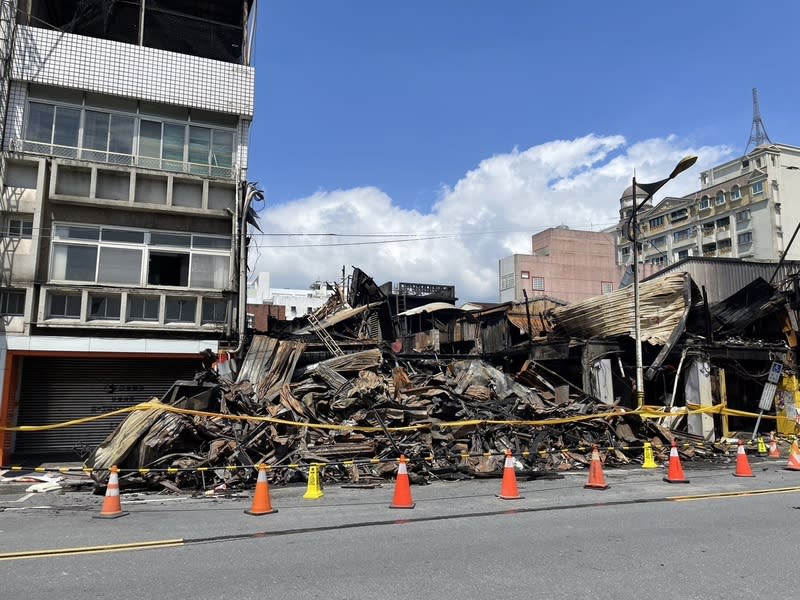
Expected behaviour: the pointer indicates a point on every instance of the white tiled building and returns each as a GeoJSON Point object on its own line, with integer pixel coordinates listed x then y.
{"type": "Point", "coordinates": [124, 158]}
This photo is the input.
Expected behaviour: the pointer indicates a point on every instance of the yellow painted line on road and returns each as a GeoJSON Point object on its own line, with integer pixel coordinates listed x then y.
{"type": "Point", "coordinates": [91, 549]}
{"type": "Point", "coordinates": [719, 495]}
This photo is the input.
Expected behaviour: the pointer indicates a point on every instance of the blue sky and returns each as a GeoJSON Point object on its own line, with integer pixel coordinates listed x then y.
{"type": "Point", "coordinates": [481, 123]}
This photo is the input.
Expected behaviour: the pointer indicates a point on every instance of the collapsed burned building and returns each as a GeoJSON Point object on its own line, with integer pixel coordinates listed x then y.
{"type": "Point", "coordinates": [452, 388]}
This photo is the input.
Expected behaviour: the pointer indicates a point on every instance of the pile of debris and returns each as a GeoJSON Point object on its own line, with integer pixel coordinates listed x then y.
{"type": "Point", "coordinates": [344, 411]}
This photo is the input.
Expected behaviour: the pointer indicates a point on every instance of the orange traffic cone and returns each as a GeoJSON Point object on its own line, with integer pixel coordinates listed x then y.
{"type": "Point", "coordinates": [508, 489]}
{"type": "Point", "coordinates": [112, 508]}
{"type": "Point", "coordinates": [742, 464]}
{"type": "Point", "coordinates": [794, 457]}
{"type": "Point", "coordinates": [597, 480]}
{"type": "Point", "coordinates": [262, 505]}
{"type": "Point", "coordinates": [675, 472]}
{"type": "Point", "coordinates": [773, 446]}
{"type": "Point", "coordinates": [402, 488]}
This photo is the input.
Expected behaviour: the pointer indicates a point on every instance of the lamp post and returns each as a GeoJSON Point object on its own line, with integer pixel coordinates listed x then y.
{"type": "Point", "coordinates": [649, 189]}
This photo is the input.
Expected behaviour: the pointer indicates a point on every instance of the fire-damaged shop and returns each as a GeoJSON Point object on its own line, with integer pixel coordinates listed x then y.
{"type": "Point", "coordinates": [452, 387]}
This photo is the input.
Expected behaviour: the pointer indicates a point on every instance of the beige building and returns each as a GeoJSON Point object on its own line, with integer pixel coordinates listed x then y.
{"type": "Point", "coordinates": [745, 208]}
{"type": "Point", "coordinates": [564, 264]}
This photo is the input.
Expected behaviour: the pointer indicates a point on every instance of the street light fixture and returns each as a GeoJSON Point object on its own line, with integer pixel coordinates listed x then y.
{"type": "Point", "coordinates": [649, 189]}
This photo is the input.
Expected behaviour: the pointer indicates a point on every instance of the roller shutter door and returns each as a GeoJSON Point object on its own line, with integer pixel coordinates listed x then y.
{"type": "Point", "coordinates": [54, 390]}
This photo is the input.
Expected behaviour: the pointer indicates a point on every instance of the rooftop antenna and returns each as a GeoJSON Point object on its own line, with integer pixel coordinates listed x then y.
{"type": "Point", "coordinates": [758, 133]}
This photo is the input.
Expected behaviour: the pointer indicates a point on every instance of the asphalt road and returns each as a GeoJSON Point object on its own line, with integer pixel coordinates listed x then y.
{"type": "Point", "coordinates": [730, 538]}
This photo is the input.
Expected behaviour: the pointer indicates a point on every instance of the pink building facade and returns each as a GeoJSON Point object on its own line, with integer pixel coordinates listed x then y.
{"type": "Point", "coordinates": [564, 264]}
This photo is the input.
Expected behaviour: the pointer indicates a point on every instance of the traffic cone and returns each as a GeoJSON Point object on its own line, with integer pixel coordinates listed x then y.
{"type": "Point", "coordinates": [402, 488]}
{"type": "Point", "coordinates": [112, 508]}
{"type": "Point", "coordinates": [508, 489]}
{"type": "Point", "coordinates": [597, 480]}
{"type": "Point", "coordinates": [262, 505]}
{"type": "Point", "coordinates": [314, 490]}
{"type": "Point", "coordinates": [773, 446]}
{"type": "Point", "coordinates": [675, 473]}
{"type": "Point", "coordinates": [742, 464]}
{"type": "Point", "coordinates": [762, 447]}
{"type": "Point", "coordinates": [649, 460]}
{"type": "Point", "coordinates": [794, 457]}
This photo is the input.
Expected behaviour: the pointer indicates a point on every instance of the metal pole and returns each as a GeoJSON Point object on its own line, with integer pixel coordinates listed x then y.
{"type": "Point", "coordinates": [636, 320]}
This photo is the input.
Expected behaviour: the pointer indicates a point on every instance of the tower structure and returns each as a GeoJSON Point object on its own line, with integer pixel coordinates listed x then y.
{"type": "Point", "coordinates": [758, 133]}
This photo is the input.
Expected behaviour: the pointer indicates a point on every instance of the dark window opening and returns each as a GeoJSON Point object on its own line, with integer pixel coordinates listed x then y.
{"type": "Point", "coordinates": [214, 311]}
{"type": "Point", "coordinates": [167, 268]}
{"type": "Point", "coordinates": [180, 310]}
{"type": "Point", "coordinates": [65, 306]}
{"type": "Point", "coordinates": [104, 307]}
{"type": "Point", "coordinates": [12, 303]}
{"type": "Point", "coordinates": [141, 308]}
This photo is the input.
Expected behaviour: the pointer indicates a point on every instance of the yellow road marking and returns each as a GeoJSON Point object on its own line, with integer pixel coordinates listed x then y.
{"type": "Point", "coordinates": [719, 495]}
{"type": "Point", "coordinates": [47, 553]}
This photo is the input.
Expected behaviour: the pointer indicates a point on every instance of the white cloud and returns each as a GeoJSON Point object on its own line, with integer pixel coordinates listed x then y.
{"type": "Point", "coordinates": [488, 214]}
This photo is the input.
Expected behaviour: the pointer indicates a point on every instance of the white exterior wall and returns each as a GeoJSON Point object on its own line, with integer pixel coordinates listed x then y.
{"type": "Point", "coordinates": [118, 69]}
{"type": "Point", "coordinates": [508, 267]}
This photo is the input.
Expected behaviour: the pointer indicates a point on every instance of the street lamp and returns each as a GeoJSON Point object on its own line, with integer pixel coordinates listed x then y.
{"type": "Point", "coordinates": [649, 189]}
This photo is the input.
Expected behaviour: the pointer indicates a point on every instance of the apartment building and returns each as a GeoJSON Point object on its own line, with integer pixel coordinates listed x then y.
{"type": "Point", "coordinates": [124, 140]}
{"type": "Point", "coordinates": [565, 264]}
{"type": "Point", "coordinates": [745, 208]}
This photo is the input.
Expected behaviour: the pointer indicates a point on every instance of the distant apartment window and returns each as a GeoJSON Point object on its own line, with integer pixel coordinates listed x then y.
{"type": "Point", "coordinates": [606, 287]}
{"type": "Point", "coordinates": [757, 188]}
{"type": "Point", "coordinates": [143, 308]}
{"type": "Point", "coordinates": [507, 282]}
{"type": "Point", "coordinates": [214, 311]}
{"type": "Point", "coordinates": [293, 311]}
{"type": "Point", "coordinates": [745, 238]}
{"type": "Point", "coordinates": [679, 215]}
{"type": "Point", "coordinates": [20, 229]}
{"type": "Point", "coordinates": [658, 260]}
{"type": "Point", "coordinates": [525, 274]}
{"type": "Point", "coordinates": [743, 216]}
{"type": "Point", "coordinates": [538, 284]}
{"type": "Point", "coordinates": [736, 193]}
{"type": "Point", "coordinates": [656, 222]}
{"type": "Point", "coordinates": [724, 245]}
{"type": "Point", "coordinates": [681, 254]}
{"type": "Point", "coordinates": [681, 235]}
{"type": "Point", "coordinates": [659, 241]}
{"type": "Point", "coordinates": [723, 224]}
{"type": "Point", "coordinates": [64, 306]}
{"type": "Point", "coordinates": [12, 303]}
{"type": "Point", "coordinates": [705, 203]}
{"type": "Point", "coordinates": [105, 307]}
{"type": "Point", "coordinates": [180, 310]}
{"type": "Point", "coordinates": [625, 250]}
{"type": "Point", "coordinates": [309, 310]}
{"type": "Point", "coordinates": [720, 198]}
{"type": "Point", "coordinates": [758, 162]}
{"type": "Point", "coordinates": [708, 227]}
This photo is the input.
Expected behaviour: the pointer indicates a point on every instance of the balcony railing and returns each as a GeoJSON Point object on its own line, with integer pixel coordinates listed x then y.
{"type": "Point", "coordinates": [124, 160]}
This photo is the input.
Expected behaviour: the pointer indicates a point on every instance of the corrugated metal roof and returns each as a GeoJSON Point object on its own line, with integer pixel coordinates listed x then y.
{"type": "Point", "coordinates": [723, 277]}
{"type": "Point", "coordinates": [429, 308]}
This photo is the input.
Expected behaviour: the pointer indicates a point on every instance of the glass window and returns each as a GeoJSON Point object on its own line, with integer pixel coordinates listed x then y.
{"type": "Point", "coordinates": [121, 139]}
{"type": "Point", "coordinates": [525, 274]}
{"type": "Point", "coordinates": [104, 307]}
{"type": "Point", "coordinates": [12, 302]}
{"type": "Point", "coordinates": [538, 284]}
{"type": "Point", "coordinates": [735, 193]}
{"type": "Point", "coordinates": [40, 123]}
{"type": "Point", "coordinates": [142, 308]}
{"type": "Point", "coordinates": [214, 311]}
{"type": "Point", "coordinates": [174, 138]}
{"type": "Point", "coordinates": [199, 145]}
{"type": "Point", "coordinates": [745, 238]}
{"type": "Point", "coordinates": [202, 241]}
{"type": "Point", "coordinates": [720, 197]}
{"type": "Point", "coordinates": [76, 232]}
{"type": "Point", "coordinates": [120, 265]}
{"type": "Point", "coordinates": [68, 121]}
{"type": "Point", "coordinates": [180, 310]}
{"type": "Point", "coordinates": [177, 240]}
{"type": "Point", "coordinates": [74, 263]}
{"type": "Point", "coordinates": [127, 236]}
{"type": "Point", "coordinates": [20, 229]}
{"type": "Point", "coordinates": [209, 271]}
{"type": "Point", "coordinates": [757, 188]}
{"type": "Point", "coordinates": [705, 203]}
{"type": "Point", "coordinates": [149, 139]}
{"type": "Point", "coordinates": [95, 130]}
{"type": "Point", "coordinates": [606, 287]}
{"type": "Point", "coordinates": [222, 150]}
{"type": "Point", "coordinates": [65, 306]}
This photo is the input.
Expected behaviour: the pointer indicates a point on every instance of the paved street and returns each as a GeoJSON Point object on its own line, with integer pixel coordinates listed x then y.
{"type": "Point", "coordinates": [731, 537]}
